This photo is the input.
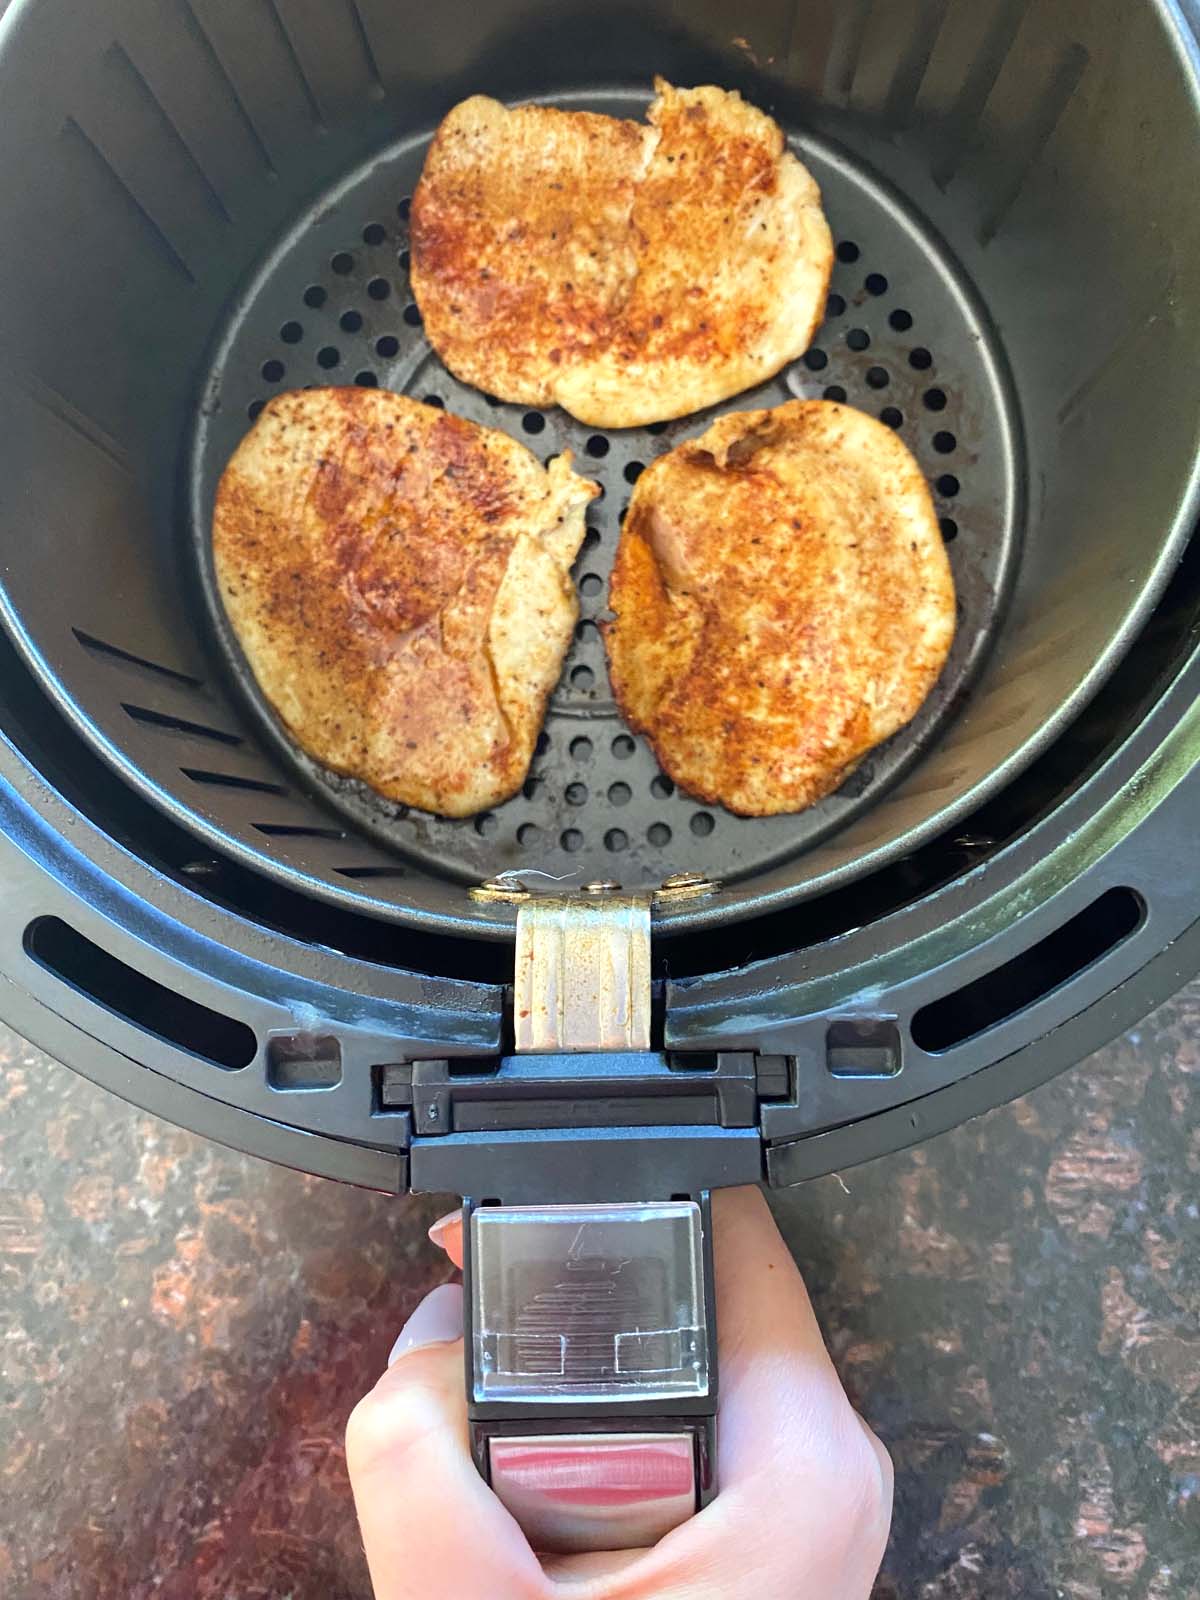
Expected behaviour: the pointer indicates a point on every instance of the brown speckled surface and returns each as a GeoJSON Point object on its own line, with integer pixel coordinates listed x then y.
{"type": "Point", "coordinates": [1016, 1307]}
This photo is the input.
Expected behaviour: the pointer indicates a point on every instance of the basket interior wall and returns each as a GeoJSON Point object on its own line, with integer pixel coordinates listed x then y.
{"type": "Point", "coordinates": [154, 154]}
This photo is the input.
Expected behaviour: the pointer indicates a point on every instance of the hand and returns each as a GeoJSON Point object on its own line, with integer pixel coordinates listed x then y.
{"type": "Point", "coordinates": [804, 1487]}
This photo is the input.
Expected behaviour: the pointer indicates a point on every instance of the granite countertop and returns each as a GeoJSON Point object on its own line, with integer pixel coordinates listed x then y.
{"type": "Point", "coordinates": [1015, 1306]}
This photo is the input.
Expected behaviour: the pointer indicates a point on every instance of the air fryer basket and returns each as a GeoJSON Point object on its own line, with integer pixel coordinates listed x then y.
{"type": "Point", "coordinates": [903, 338]}
{"type": "Point", "coordinates": [1006, 279]}
{"type": "Point", "coordinates": [206, 201]}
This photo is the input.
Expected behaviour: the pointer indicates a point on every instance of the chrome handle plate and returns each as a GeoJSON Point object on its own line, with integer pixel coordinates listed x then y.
{"type": "Point", "coordinates": [582, 978]}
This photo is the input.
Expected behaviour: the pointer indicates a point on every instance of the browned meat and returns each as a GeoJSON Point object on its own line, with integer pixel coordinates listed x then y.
{"type": "Point", "coordinates": [627, 273]}
{"type": "Point", "coordinates": [783, 603]}
{"type": "Point", "coordinates": [399, 581]}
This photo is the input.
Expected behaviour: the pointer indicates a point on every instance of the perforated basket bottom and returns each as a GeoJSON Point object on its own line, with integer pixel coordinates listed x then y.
{"type": "Point", "coordinates": [903, 339]}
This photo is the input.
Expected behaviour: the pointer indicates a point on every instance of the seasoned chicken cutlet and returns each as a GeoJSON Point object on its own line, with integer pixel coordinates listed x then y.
{"type": "Point", "coordinates": [628, 273]}
{"type": "Point", "coordinates": [783, 603]}
{"type": "Point", "coordinates": [399, 581]}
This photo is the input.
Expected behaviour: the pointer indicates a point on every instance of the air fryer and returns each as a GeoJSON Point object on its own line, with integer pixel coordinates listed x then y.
{"type": "Point", "coordinates": [206, 202]}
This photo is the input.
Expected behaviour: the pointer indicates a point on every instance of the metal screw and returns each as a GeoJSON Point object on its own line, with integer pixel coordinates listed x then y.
{"type": "Point", "coordinates": [684, 886]}
{"type": "Point", "coordinates": [684, 880]}
{"type": "Point", "coordinates": [506, 891]}
{"type": "Point", "coordinates": [600, 886]}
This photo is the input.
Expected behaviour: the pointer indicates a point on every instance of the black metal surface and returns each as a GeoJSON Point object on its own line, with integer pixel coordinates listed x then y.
{"type": "Point", "coordinates": [972, 166]}
{"type": "Point", "coordinates": [333, 304]}
{"type": "Point", "coordinates": [986, 151]}
{"type": "Point", "coordinates": [224, 960]}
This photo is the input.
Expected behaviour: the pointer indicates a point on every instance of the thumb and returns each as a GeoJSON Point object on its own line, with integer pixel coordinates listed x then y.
{"type": "Point", "coordinates": [415, 1486]}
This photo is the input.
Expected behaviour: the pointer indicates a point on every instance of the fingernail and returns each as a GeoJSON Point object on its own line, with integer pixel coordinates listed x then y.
{"type": "Point", "coordinates": [440, 1228]}
{"type": "Point", "coordinates": [437, 1320]}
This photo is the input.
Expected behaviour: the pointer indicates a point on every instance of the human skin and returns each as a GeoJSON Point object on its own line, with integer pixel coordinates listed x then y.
{"type": "Point", "coordinates": [805, 1487]}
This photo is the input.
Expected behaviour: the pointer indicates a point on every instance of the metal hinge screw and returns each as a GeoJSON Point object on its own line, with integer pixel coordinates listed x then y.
{"type": "Point", "coordinates": [502, 891]}
{"type": "Point", "coordinates": [684, 886]}
{"type": "Point", "coordinates": [679, 886]}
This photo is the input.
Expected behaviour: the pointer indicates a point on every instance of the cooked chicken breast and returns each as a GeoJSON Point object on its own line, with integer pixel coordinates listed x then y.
{"type": "Point", "coordinates": [399, 580]}
{"type": "Point", "coordinates": [522, 249]}
{"type": "Point", "coordinates": [783, 604]}
{"type": "Point", "coordinates": [627, 273]}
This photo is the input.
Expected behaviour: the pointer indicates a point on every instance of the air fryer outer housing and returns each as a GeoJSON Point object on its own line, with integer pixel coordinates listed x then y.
{"type": "Point", "coordinates": [207, 199]}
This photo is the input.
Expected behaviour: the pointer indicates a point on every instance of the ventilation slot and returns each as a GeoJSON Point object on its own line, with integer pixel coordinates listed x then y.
{"type": "Point", "coordinates": [130, 994]}
{"type": "Point", "coordinates": [367, 873]}
{"type": "Point", "coordinates": [115, 653]}
{"type": "Point", "coordinates": [295, 830]}
{"type": "Point", "coordinates": [230, 780]}
{"type": "Point", "coordinates": [197, 730]}
{"type": "Point", "coordinates": [1031, 976]}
